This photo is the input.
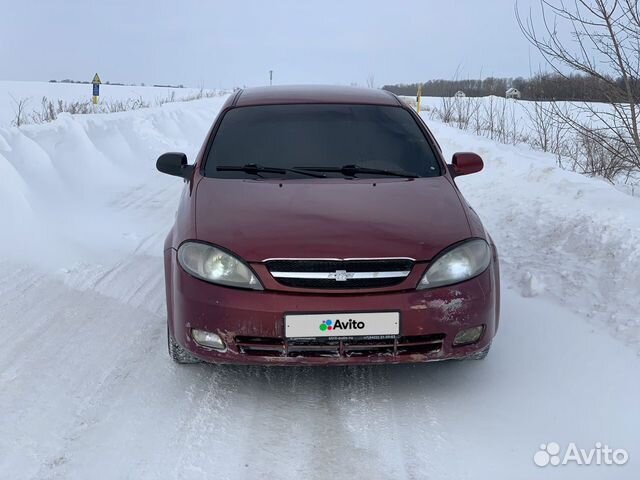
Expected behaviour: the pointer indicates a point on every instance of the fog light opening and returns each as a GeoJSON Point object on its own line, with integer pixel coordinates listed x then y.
{"type": "Point", "coordinates": [468, 336]}
{"type": "Point", "coordinates": [208, 339]}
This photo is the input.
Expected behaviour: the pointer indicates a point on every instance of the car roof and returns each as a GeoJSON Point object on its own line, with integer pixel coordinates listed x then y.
{"type": "Point", "coordinates": [291, 94]}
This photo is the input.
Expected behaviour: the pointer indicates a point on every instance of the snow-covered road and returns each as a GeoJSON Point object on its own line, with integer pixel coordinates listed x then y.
{"type": "Point", "coordinates": [88, 391]}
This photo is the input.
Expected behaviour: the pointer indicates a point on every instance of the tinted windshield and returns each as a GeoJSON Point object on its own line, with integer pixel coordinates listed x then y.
{"type": "Point", "coordinates": [288, 136]}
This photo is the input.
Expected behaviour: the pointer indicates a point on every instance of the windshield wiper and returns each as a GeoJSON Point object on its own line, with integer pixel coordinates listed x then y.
{"type": "Point", "coordinates": [255, 169]}
{"type": "Point", "coordinates": [353, 170]}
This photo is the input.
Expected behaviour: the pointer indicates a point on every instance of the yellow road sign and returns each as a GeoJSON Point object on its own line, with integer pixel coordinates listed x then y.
{"type": "Point", "coordinates": [96, 80]}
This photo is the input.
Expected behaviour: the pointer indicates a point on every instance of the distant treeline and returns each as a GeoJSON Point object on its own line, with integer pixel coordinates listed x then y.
{"type": "Point", "coordinates": [539, 87]}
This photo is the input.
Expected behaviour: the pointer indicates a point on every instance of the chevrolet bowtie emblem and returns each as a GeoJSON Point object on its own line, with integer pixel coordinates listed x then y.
{"type": "Point", "coordinates": [341, 276]}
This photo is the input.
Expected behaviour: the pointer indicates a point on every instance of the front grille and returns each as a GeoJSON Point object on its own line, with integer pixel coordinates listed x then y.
{"type": "Point", "coordinates": [340, 274]}
{"type": "Point", "coordinates": [343, 347]}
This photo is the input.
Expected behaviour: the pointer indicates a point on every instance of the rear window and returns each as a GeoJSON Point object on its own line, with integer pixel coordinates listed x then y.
{"type": "Point", "coordinates": [288, 136]}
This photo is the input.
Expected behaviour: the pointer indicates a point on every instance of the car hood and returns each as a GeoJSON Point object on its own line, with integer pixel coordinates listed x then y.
{"type": "Point", "coordinates": [332, 218]}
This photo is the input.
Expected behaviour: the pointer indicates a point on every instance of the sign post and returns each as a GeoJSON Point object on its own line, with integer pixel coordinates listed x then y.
{"type": "Point", "coordinates": [96, 88]}
{"type": "Point", "coordinates": [418, 97]}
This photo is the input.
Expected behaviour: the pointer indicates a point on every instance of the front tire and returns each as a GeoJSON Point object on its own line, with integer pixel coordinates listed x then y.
{"type": "Point", "coordinates": [179, 354]}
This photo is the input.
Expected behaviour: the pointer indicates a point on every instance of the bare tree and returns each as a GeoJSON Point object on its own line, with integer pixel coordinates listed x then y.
{"type": "Point", "coordinates": [466, 109]}
{"type": "Point", "coordinates": [19, 110]}
{"type": "Point", "coordinates": [446, 112]}
{"type": "Point", "coordinates": [604, 46]}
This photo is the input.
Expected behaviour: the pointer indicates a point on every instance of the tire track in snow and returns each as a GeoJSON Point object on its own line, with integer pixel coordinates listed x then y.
{"type": "Point", "coordinates": [71, 371]}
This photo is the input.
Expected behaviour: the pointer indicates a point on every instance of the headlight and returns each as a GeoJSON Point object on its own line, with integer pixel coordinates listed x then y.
{"type": "Point", "coordinates": [461, 263]}
{"type": "Point", "coordinates": [213, 265]}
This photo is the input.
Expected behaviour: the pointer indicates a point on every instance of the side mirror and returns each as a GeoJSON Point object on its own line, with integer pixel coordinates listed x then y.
{"type": "Point", "coordinates": [464, 163]}
{"type": "Point", "coordinates": [174, 163]}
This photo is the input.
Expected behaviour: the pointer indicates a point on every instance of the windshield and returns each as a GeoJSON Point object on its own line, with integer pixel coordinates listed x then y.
{"type": "Point", "coordinates": [320, 135]}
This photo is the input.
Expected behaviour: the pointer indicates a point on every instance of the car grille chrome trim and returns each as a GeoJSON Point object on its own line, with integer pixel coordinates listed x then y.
{"type": "Point", "coordinates": [329, 259]}
{"type": "Point", "coordinates": [340, 274]}
{"type": "Point", "coordinates": [336, 275]}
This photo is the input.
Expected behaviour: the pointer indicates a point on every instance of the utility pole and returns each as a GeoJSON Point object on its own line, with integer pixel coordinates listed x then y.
{"type": "Point", "coordinates": [270, 77]}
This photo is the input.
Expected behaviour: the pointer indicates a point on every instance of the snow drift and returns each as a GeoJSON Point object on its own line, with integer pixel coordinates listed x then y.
{"type": "Point", "coordinates": [562, 235]}
{"type": "Point", "coordinates": [58, 178]}
{"type": "Point", "coordinates": [32, 93]}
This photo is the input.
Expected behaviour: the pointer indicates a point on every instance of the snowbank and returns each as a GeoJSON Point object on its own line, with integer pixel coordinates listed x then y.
{"type": "Point", "coordinates": [563, 235]}
{"type": "Point", "coordinates": [58, 179]}
{"type": "Point", "coordinates": [511, 122]}
{"type": "Point", "coordinates": [32, 92]}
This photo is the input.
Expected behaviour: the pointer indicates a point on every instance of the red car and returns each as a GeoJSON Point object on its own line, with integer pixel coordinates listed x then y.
{"type": "Point", "coordinates": [322, 226]}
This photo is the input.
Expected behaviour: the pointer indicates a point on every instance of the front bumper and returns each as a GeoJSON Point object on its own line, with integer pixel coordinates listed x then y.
{"type": "Point", "coordinates": [429, 321]}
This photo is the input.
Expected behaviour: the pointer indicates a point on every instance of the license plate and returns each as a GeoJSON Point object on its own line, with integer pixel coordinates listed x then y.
{"type": "Point", "coordinates": [342, 324]}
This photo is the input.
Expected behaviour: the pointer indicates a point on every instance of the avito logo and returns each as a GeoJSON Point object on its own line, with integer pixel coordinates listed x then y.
{"type": "Point", "coordinates": [340, 325]}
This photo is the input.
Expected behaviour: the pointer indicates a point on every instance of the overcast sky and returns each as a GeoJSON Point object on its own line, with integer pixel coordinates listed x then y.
{"type": "Point", "coordinates": [234, 43]}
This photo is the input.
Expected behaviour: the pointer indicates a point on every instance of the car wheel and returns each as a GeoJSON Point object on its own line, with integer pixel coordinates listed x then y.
{"type": "Point", "coordinates": [177, 353]}
{"type": "Point", "coordinates": [479, 355]}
